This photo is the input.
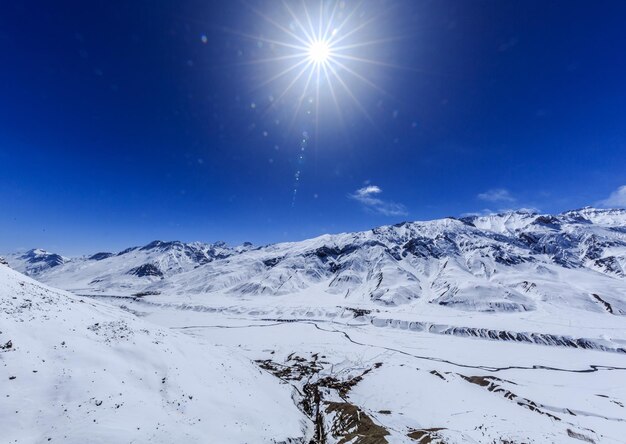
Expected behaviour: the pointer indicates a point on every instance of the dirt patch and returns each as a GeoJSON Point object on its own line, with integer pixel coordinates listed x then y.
{"type": "Point", "coordinates": [426, 436]}
{"type": "Point", "coordinates": [325, 399]}
{"type": "Point", "coordinates": [579, 436]}
{"type": "Point", "coordinates": [146, 293]}
{"type": "Point", "coordinates": [437, 374]}
{"type": "Point", "coordinates": [358, 312]}
{"type": "Point", "coordinates": [295, 368]}
{"type": "Point", "coordinates": [351, 425]}
{"type": "Point", "coordinates": [604, 303]}
{"type": "Point", "coordinates": [494, 385]}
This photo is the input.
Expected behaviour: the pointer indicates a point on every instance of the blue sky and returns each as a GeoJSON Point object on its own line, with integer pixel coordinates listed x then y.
{"type": "Point", "coordinates": [124, 122]}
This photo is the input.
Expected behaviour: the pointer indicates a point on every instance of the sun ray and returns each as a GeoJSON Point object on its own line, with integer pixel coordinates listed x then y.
{"type": "Point", "coordinates": [352, 31]}
{"type": "Point", "coordinates": [300, 100]}
{"type": "Point", "coordinates": [268, 60]}
{"type": "Point", "coordinates": [308, 18]}
{"type": "Point", "coordinates": [331, 88]}
{"type": "Point", "coordinates": [298, 22]}
{"type": "Point", "coordinates": [369, 43]}
{"type": "Point", "coordinates": [282, 74]}
{"type": "Point", "coordinates": [338, 29]}
{"type": "Point", "coordinates": [277, 25]}
{"type": "Point", "coordinates": [375, 62]}
{"type": "Point", "coordinates": [330, 22]}
{"type": "Point", "coordinates": [362, 78]}
{"type": "Point", "coordinates": [266, 40]}
{"type": "Point", "coordinates": [317, 100]}
{"type": "Point", "coordinates": [320, 21]}
{"type": "Point", "coordinates": [293, 82]}
{"type": "Point", "coordinates": [352, 96]}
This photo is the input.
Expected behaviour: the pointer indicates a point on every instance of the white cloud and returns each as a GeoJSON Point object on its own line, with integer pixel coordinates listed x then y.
{"type": "Point", "coordinates": [503, 201]}
{"type": "Point", "coordinates": [616, 199]}
{"type": "Point", "coordinates": [369, 190]}
{"type": "Point", "coordinates": [497, 195]}
{"type": "Point", "coordinates": [483, 212]}
{"type": "Point", "coordinates": [368, 196]}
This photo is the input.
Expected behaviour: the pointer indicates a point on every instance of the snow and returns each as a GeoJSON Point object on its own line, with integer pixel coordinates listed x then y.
{"type": "Point", "coordinates": [511, 262]}
{"type": "Point", "coordinates": [82, 371]}
{"type": "Point", "coordinates": [507, 327]}
{"type": "Point", "coordinates": [422, 381]}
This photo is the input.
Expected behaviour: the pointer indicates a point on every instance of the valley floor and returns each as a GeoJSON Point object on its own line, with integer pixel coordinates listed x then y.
{"type": "Point", "coordinates": [362, 381]}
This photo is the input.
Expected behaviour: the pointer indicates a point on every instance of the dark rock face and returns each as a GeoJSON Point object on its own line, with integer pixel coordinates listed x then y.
{"type": "Point", "coordinates": [126, 251]}
{"type": "Point", "coordinates": [161, 245]}
{"type": "Point", "coordinates": [423, 247]}
{"type": "Point", "coordinates": [559, 246]}
{"type": "Point", "coordinates": [196, 253]}
{"type": "Point", "coordinates": [3, 261]}
{"type": "Point", "coordinates": [504, 257]}
{"type": "Point", "coordinates": [610, 265]}
{"type": "Point", "coordinates": [100, 256]}
{"type": "Point", "coordinates": [547, 221]}
{"type": "Point", "coordinates": [146, 270]}
{"type": "Point", "coordinates": [43, 258]}
{"type": "Point", "coordinates": [272, 262]}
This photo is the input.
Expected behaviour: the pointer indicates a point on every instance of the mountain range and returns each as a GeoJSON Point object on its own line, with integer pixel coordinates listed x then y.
{"type": "Point", "coordinates": [510, 262]}
{"type": "Point", "coordinates": [490, 328]}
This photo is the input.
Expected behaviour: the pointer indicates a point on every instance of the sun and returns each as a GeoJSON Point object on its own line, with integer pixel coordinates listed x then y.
{"type": "Point", "coordinates": [318, 55]}
{"type": "Point", "coordinates": [319, 52]}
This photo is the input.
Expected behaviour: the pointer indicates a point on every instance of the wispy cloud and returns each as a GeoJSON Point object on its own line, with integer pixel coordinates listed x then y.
{"type": "Point", "coordinates": [489, 212]}
{"type": "Point", "coordinates": [616, 199]}
{"type": "Point", "coordinates": [483, 212]}
{"type": "Point", "coordinates": [369, 197]}
{"type": "Point", "coordinates": [497, 195]}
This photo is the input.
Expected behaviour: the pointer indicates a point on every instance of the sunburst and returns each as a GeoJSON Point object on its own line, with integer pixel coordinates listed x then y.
{"type": "Point", "coordinates": [317, 48]}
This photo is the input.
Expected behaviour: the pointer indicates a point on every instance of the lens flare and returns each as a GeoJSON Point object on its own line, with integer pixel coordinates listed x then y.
{"type": "Point", "coordinates": [318, 51]}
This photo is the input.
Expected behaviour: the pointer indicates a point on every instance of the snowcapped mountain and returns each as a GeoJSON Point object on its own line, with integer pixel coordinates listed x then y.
{"type": "Point", "coordinates": [510, 262]}
{"type": "Point", "coordinates": [37, 261]}
{"type": "Point", "coordinates": [131, 269]}
{"type": "Point", "coordinates": [76, 370]}
{"type": "Point", "coordinates": [499, 328]}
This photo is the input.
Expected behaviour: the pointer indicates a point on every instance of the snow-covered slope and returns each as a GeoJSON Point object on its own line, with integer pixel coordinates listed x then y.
{"type": "Point", "coordinates": [512, 262]}
{"type": "Point", "coordinates": [74, 370]}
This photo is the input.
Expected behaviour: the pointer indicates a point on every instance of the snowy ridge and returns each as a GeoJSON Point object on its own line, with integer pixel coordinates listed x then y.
{"type": "Point", "coordinates": [75, 370]}
{"type": "Point", "coordinates": [502, 335]}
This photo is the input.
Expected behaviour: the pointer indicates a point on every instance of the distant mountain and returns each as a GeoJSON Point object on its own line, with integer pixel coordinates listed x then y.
{"type": "Point", "coordinates": [37, 261]}
{"type": "Point", "coordinates": [510, 262]}
{"type": "Point", "coordinates": [132, 268]}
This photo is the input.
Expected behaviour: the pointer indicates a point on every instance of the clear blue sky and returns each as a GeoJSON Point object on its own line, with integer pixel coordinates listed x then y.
{"type": "Point", "coordinates": [127, 121]}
